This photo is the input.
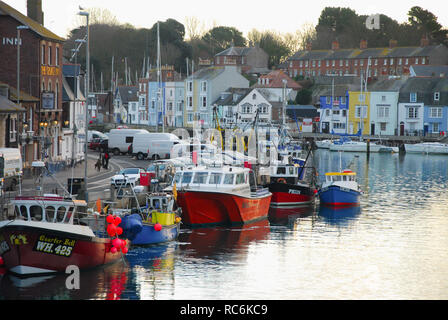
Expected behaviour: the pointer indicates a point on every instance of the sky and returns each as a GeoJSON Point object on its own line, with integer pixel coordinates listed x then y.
{"type": "Point", "coordinates": [60, 16]}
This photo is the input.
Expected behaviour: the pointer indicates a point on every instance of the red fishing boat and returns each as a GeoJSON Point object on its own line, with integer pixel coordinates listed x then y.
{"type": "Point", "coordinates": [219, 196]}
{"type": "Point", "coordinates": [44, 237]}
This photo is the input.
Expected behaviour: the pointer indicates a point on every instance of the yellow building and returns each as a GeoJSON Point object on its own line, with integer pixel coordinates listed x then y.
{"type": "Point", "coordinates": [359, 112]}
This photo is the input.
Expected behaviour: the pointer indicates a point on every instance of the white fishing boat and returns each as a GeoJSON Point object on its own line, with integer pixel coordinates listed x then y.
{"type": "Point", "coordinates": [354, 146]}
{"type": "Point", "coordinates": [427, 147]}
{"type": "Point", "coordinates": [324, 144]}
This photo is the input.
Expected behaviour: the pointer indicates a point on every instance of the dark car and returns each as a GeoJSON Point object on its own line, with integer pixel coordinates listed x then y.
{"type": "Point", "coordinates": [95, 144]}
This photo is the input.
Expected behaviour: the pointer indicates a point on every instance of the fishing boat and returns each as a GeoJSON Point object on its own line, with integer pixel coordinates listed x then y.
{"type": "Point", "coordinates": [287, 183]}
{"type": "Point", "coordinates": [157, 223]}
{"type": "Point", "coordinates": [340, 189]}
{"type": "Point", "coordinates": [427, 147]}
{"type": "Point", "coordinates": [225, 195]}
{"type": "Point", "coordinates": [45, 236]}
{"type": "Point", "coordinates": [324, 144]}
{"type": "Point", "coordinates": [354, 146]}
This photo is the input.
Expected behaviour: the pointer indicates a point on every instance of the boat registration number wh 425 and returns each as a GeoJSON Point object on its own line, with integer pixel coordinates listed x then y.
{"type": "Point", "coordinates": [294, 191]}
{"type": "Point", "coordinates": [54, 245]}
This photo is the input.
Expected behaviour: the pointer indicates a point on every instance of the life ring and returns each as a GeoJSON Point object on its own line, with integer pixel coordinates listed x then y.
{"type": "Point", "coordinates": [281, 180]}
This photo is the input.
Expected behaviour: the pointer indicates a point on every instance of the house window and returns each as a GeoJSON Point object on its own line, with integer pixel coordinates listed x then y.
{"type": "Point", "coordinates": [306, 63]}
{"type": "Point", "coordinates": [412, 112]}
{"type": "Point", "coordinates": [327, 63]}
{"type": "Point", "coordinates": [204, 102]}
{"type": "Point", "coordinates": [327, 112]}
{"type": "Point", "coordinates": [42, 54]}
{"type": "Point", "coordinates": [436, 96]}
{"type": "Point", "coordinates": [12, 129]}
{"type": "Point", "coordinates": [328, 100]}
{"type": "Point", "coordinates": [391, 61]}
{"type": "Point", "coordinates": [383, 112]}
{"type": "Point", "coordinates": [416, 60]}
{"type": "Point", "coordinates": [383, 126]}
{"type": "Point", "coordinates": [385, 62]}
{"type": "Point", "coordinates": [423, 60]}
{"type": "Point", "coordinates": [204, 86]}
{"type": "Point", "coordinates": [344, 113]}
{"type": "Point", "coordinates": [346, 63]}
{"type": "Point", "coordinates": [254, 96]}
{"type": "Point", "coordinates": [319, 63]}
{"type": "Point", "coordinates": [413, 97]}
{"type": "Point", "coordinates": [314, 63]}
{"type": "Point", "coordinates": [49, 56]}
{"type": "Point", "coordinates": [435, 112]}
{"type": "Point", "coordinates": [341, 63]}
{"type": "Point", "coordinates": [190, 102]}
{"type": "Point", "coordinates": [343, 100]}
{"type": "Point", "coordinates": [435, 127]}
{"type": "Point", "coordinates": [361, 62]}
{"type": "Point", "coordinates": [333, 63]}
{"type": "Point", "coordinates": [383, 98]}
{"type": "Point", "coordinates": [356, 63]}
{"type": "Point", "coordinates": [362, 97]}
{"type": "Point", "coordinates": [400, 61]}
{"type": "Point", "coordinates": [300, 64]}
{"type": "Point", "coordinates": [190, 86]}
{"type": "Point", "coordinates": [376, 62]}
{"type": "Point", "coordinates": [406, 61]}
{"type": "Point", "coordinates": [190, 117]}
{"type": "Point", "coordinates": [335, 112]}
{"type": "Point", "coordinates": [57, 56]}
{"type": "Point", "coordinates": [361, 112]}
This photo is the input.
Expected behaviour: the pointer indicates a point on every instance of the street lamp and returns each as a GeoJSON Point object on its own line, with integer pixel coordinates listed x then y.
{"type": "Point", "coordinates": [19, 28]}
{"type": "Point", "coordinates": [86, 14]}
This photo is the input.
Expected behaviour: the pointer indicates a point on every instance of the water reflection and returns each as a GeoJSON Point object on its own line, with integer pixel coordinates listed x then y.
{"type": "Point", "coordinates": [339, 215]}
{"type": "Point", "coordinates": [288, 216]}
{"type": "Point", "coordinates": [97, 283]}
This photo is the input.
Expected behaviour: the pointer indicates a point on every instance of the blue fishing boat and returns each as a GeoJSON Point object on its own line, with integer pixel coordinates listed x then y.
{"type": "Point", "coordinates": [340, 189]}
{"type": "Point", "coordinates": [157, 223]}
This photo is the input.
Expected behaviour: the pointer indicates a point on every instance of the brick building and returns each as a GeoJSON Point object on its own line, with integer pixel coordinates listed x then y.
{"type": "Point", "coordinates": [40, 76]}
{"type": "Point", "coordinates": [392, 60]}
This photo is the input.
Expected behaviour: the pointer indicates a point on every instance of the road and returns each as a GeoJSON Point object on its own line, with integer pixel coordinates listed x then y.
{"type": "Point", "coordinates": [98, 183]}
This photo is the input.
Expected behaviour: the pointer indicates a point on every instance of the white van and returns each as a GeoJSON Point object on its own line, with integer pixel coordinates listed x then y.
{"type": "Point", "coordinates": [120, 139]}
{"type": "Point", "coordinates": [154, 145]}
{"type": "Point", "coordinates": [11, 163]}
{"type": "Point", "coordinates": [93, 134]}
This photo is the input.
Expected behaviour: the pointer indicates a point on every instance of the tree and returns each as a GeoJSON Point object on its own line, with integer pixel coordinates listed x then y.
{"type": "Point", "coordinates": [426, 24]}
{"type": "Point", "coordinates": [304, 96]}
{"type": "Point", "coordinates": [272, 43]}
{"type": "Point", "coordinates": [221, 38]}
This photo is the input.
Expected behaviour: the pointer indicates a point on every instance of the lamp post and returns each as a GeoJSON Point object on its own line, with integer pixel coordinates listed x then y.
{"type": "Point", "coordinates": [86, 14]}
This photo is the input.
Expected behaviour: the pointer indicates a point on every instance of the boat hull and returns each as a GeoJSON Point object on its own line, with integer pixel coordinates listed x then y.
{"type": "Point", "coordinates": [148, 235]}
{"type": "Point", "coordinates": [355, 147]}
{"type": "Point", "coordinates": [200, 208]}
{"type": "Point", "coordinates": [289, 195]}
{"type": "Point", "coordinates": [31, 251]}
{"type": "Point", "coordinates": [433, 148]}
{"type": "Point", "coordinates": [339, 196]}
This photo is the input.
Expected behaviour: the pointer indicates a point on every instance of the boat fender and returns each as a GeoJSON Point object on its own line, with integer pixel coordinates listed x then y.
{"type": "Point", "coordinates": [132, 225]}
{"type": "Point", "coordinates": [281, 180]}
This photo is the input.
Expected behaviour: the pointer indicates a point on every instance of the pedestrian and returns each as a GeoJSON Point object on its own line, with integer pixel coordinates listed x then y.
{"type": "Point", "coordinates": [98, 164]}
{"type": "Point", "coordinates": [106, 160]}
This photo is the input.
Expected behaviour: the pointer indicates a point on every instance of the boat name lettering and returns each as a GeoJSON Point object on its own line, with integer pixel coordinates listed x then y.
{"type": "Point", "coordinates": [344, 189]}
{"type": "Point", "coordinates": [294, 191]}
{"type": "Point", "coordinates": [54, 245]}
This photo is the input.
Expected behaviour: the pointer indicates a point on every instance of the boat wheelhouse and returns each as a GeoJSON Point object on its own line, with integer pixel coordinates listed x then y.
{"type": "Point", "coordinates": [220, 195]}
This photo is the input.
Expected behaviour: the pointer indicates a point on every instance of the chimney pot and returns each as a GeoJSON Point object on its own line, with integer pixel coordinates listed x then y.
{"type": "Point", "coordinates": [392, 43]}
{"type": "Point", "coordinates": [335, 45]}
{"type": "Point", "coordinates": [363, 44]}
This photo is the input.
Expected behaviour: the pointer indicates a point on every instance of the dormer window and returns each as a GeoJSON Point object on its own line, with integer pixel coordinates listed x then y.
{"type": "Point", "coordinates": [413, 97]}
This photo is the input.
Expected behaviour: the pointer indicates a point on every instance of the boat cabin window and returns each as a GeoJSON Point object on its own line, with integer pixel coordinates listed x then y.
{"type": "Point", "coordinates": [239, 178]}
{"type": "Point", "coordinates": [69, 214]}
{"type": "Point", "coordinates": [49, 213]}
{"type": "Point", "coordinates": [36, 213]}
{"type": "Point", "coordinates": [228, 178]}
{"type": "Point", "coordinates": [20, 213]}
{"type": "Point", "coordinates": [60, 214]}
{"type": "Point", "coordinates": [281, 170]}
{"type": "Point", "coordinates": [215, 178]}
{"type": "Point", "coordinates": [291, 170]}
{"type": "Point", "coordinates": [187, 177]}
{"type": "Point", "coordinates": [200, 177]}
{"type": "Point", "coordinates": [337, 178]}
{"type": "Point", "coordinates": [177, 177]}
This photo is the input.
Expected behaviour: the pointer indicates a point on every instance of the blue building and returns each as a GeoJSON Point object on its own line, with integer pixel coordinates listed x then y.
{"type": "Point", "coordinates": [334, 105]}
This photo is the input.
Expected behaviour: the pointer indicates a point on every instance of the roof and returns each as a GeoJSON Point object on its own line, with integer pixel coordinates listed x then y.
{"type": "Point", "coordinates": [232, 96]}
{"type": "Point", "coordinates": [336, 90]}
{"type": "Point", "coordinates": [387, 85]}
{"type": "Point", "coordinates": [24, 97]}
{"type": "Point", "coordinates": [301, 111]}
{"type": "Point", "coordinates": [207, 73]}
{"type": "Point", "coordinates": [34, 25]}
{"type": "Point", "coordinates": [128, 93]}
{"type": "Point", "coordinates": [276, 78]}
{"type": "Point", "coordinates": [429, 70]}
{"type": "Point", "coordinates": [7, 106]}
{"type": "Point", "coordinates": [236, 51]}
{"type": "Point", "coordinates": [365, 53]}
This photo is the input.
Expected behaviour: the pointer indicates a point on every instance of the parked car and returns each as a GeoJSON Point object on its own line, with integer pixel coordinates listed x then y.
{"type": "Point", "coordinates": [126, 177]}
{"type": "Point", "coordinates": [94, 144]}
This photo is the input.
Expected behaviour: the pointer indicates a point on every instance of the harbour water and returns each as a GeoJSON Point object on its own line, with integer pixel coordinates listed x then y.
{"type": "Point", "coordinates": [394, 246]}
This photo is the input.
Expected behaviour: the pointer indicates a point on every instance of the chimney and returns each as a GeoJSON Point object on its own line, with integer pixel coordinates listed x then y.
{"type": "Point", "coordinates": [335, 45]}
{"type": "Point", "coordinates": [34, 11]}
{"type": "Point", "coordinates": [363, 44]}
{"type": "Point", "coordinates": [308, 46]}
{"type": "Point", "coordinates": [392, 43]}
{"type": "Point", "coordinates": [424, 41]}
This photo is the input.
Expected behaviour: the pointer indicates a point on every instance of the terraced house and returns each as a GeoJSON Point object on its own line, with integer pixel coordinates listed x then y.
{"type": "Point", "coordinates": [392, 60]}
